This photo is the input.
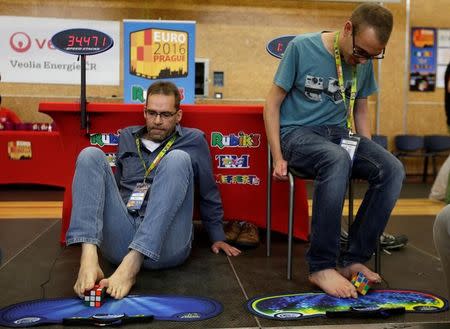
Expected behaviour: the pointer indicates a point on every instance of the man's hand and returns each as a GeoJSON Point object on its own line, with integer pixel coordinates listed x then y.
{"type": "Point", "coordinates": [280, 169]}
{"type": "Point", "coordinates": [225, 247]}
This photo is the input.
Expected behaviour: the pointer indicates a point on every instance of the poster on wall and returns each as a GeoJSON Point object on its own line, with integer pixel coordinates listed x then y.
{"type": "Point", "coordinates": [28, 56]}
{"type": "Point", "coordinates": [443, 56]}
{"type": "Point", "coordinates": [158, 50]}
{"type": "Point", "coordinates": [423, 59]}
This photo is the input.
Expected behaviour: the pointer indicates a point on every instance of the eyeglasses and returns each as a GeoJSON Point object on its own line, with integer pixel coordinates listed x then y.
{"type": "Point", "coordinates": [163, 115]}
{"type": "Point", "coordinates": [361, 53]}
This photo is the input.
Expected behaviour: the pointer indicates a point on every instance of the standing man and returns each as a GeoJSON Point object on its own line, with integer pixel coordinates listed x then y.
{"type": "Point", "coordinates": [322, 82]}
{"type": "Point", "coordinates": [143, 215]}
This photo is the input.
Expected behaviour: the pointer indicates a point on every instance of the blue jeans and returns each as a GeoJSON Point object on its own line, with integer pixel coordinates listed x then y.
{"type": "Point", "coordinates": [99, 216]}
{"type": "Point", "coordinates": [316, 151]}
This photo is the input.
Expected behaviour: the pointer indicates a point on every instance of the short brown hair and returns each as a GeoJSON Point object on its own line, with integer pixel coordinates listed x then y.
{"type": "Point", "coordinates": [375, 16]}
{"type": "Point", "coordinates": [165, 88]}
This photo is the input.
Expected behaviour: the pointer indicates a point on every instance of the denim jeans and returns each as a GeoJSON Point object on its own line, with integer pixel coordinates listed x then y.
{"type": "Point", "coordinates": [316, 151]}
{"type": "Point", "coordinates": [99, 216]}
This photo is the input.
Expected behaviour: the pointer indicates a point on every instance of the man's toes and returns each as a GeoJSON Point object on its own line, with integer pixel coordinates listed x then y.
{"type": "Point", "coordinates": [345, 293]}
{"type": "Point", "coordinates": [103, 283]}
{"type": "Point", "coordinates": [120, 294]}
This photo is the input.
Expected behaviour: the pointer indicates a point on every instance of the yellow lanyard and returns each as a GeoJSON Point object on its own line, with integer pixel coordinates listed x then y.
{"type": "Point", "coordinates": [158, 157]}
{"type": "Point", "coordinates": [340, 74]}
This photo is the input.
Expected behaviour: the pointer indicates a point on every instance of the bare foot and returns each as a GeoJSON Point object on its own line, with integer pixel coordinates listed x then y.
{"type": "Point", "coordinates": [119, 284]}
{"type": "Point", "coordinates": [333, 283]}
{"type": "Point", "coordinates": [90, 271]}
{"type": "Point", "coordinates": [354, 268]}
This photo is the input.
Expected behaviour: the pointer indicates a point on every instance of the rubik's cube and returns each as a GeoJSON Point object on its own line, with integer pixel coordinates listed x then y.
{"type": "Point", "coordinates": [95, 297]}
{"type": "Point", "coordinates": [361, 283]}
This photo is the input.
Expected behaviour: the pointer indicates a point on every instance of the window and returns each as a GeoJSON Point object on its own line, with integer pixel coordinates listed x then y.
{"type": "Point", "coordinates": [201, 77]}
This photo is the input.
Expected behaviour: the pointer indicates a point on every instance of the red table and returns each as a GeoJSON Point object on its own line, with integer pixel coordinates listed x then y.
{"type": "Point", "coordinates": [235, 134]}
{"type": "Point", "coordinates": [44, 166]}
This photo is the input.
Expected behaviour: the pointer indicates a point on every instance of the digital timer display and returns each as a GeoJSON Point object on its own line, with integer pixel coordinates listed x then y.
{"type": "Point", "coordinates": [87, 41]}
{"type": "Point", "coordinates": [82, 41]}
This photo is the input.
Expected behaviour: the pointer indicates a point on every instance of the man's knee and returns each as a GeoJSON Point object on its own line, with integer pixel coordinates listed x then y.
{"type": "Point", "coordinates": [90, 156]}
{"type": "Point", "coordinates": [177, 160]}
{"type": "Point", "coordinates": [338, 159]}
{"type": "Point", "coordinates": [395, 169]}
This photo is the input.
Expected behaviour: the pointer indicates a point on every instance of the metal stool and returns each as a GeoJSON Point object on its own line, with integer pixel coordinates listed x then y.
{"type": "Point", "coordinates": [292, 173]}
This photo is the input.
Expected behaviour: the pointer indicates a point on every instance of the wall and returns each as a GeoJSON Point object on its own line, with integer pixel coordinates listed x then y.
{"type": "Point", "coordinates": [233, 35]}
{"type": "Point", "coordinates": [426, 113]}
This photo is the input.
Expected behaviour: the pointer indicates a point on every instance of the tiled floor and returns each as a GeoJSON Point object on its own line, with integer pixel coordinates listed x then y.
{"type": "Point", "coordinates": [32, 255]}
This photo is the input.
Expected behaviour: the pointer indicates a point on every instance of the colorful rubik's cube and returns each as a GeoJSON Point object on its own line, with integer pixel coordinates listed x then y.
{"type": "Point", "coordinates": [361, 283]}
{"type": "Point", "coordinates": [95, 297]}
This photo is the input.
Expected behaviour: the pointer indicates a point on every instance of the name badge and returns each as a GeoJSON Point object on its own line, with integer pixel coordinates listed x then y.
{"type": "Point", "coordinates": [350, 144]}
{"type": "Point", "coordinates": [137, 197]}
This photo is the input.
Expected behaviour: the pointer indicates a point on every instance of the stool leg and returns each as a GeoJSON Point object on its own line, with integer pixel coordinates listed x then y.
{"type": "Point", "coordinates": [290, 224]}
{"type": "Point", "coordinates": [269, 202]}
{"type": "Point", "coordinates": [378, 258]}
{"type": "Point", "coordinates": [350, 204]}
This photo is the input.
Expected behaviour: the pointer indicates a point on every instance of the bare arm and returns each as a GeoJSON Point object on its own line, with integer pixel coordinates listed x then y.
{"type": "Point", "coordinates": [362, 118]}
{"type": "Point", "coordinates": [272, 124]}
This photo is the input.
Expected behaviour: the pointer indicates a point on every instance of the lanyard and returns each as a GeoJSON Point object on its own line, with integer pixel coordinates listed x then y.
{"type": "Point", "coordinates": [158, 157]}
{"type": "Point", "coordinates": [340, 74]}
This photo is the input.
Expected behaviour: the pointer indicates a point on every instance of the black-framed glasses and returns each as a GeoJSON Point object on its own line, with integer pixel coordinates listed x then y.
{"type": "Point", "coordinates": [361, 53]}
{"type": "Point", "coordinates": [164, 115]}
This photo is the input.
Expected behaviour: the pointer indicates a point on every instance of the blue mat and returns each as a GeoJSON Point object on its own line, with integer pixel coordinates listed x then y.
{"type": "Point", "coordinates": [133, 308]}
{"type": "Point", "coordinates": [380, 303]}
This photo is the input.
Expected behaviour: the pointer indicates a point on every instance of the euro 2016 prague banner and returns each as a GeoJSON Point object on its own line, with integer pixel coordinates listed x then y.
{"type": "Point", "coordinates": [158, 50]}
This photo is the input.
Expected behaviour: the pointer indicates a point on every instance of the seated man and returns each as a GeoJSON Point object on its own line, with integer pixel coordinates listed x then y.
{"type": "Point", "coordinates": [143, 215]}
{"type": "Point", "coordinates": [323, 79]}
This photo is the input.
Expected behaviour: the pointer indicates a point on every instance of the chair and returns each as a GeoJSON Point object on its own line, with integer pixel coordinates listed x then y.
{"type": "Point", "coordinates": [409, 146]}
{"type": "Point", "coordinates": [381, 140]}
{"type": "Point", "coordinates": [435, 146]}
{"type": "Point", "coordinates": [292, 174]}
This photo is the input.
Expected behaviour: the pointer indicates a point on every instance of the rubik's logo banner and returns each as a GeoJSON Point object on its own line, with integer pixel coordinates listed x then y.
{"type": "Point", "coordinates": [158, 50]}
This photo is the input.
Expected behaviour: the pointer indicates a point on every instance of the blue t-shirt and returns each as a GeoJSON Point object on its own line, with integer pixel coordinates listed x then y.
{"type": "Point", "coordinates": [307, 72]}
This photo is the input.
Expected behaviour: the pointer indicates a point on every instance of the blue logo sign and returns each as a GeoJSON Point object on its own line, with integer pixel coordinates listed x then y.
{"type": "Point", "coordinates": [277, 46]}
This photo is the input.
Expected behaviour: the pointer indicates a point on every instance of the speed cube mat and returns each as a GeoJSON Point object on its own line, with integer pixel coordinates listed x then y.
{"type": "Point", "coordinates": [133, 308]}
{"type": "Point", "coordinates": [380, 303]}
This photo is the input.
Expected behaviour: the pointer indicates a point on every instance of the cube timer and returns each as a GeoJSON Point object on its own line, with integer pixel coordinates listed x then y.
{"type": "Point", "coordinates": [361, 283]}
{"type": "Point", "coordinates": [95, 297]}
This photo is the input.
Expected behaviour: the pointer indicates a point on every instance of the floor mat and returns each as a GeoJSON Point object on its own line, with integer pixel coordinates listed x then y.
{"type": "Point", "coordinates": [317, 304]}
{"type": "Point", "coordinates": [129, 309]}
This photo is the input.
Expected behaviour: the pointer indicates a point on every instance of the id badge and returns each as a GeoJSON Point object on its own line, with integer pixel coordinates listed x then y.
{"type": "Point", "coordinates": [350, 144]}
{"type": "Point", "coordinates": [137, 197]}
